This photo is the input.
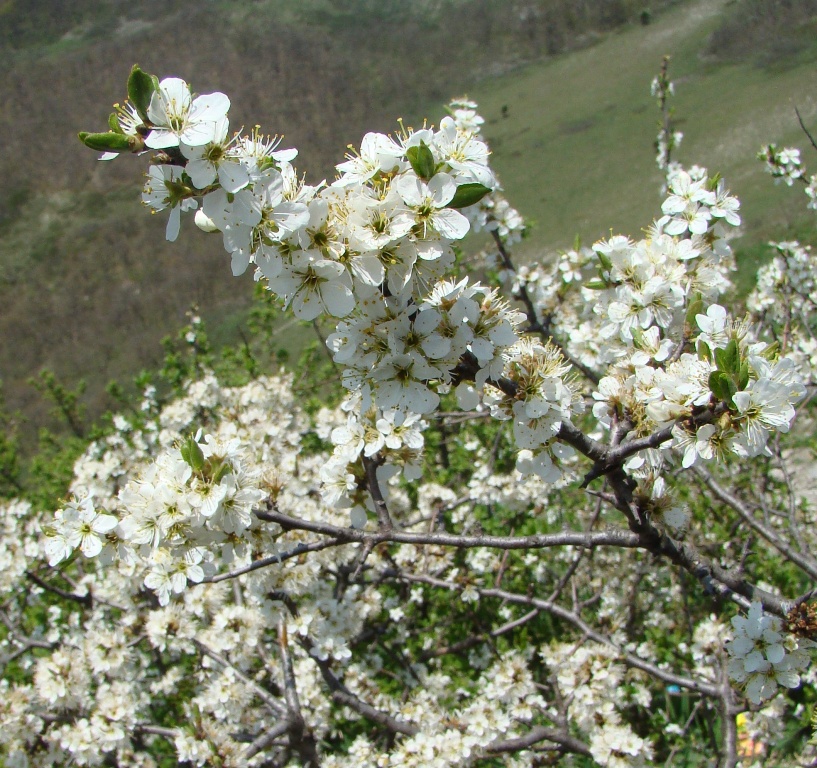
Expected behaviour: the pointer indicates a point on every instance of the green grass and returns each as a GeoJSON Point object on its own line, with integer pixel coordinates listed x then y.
{"type": "Point", "coordinates": [575, 152]}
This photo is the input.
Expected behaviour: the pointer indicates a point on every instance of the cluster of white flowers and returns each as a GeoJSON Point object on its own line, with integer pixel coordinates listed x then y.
{"type": "Point", "coordinates": [785, 165]}
{"type": "Point", "coordinates": [591, 679]}
{"type": "Point", "coordinates": [278, 571]}
{"type": "Point", "coordinates": [371, 249]}
{"type": "Point", "coordinates": [785, 300]}
{"type": "Point", "coordinates": [374, 249]}
{"type": "Point", "coordinates": [763, 657]}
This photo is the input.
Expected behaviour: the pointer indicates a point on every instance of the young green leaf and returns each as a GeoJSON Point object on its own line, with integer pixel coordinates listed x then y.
{"type": "Point", "coordinates": [422, 161]}
{"type": "Point", "coordinates": [192, 453]}
{"type": "Point", "coordinates": [696, 306]}
{"type": "Point", "coordinates": [468, 194]}
{"type": "Point", "coordinates": [106, 142]}
{"type": "Point", "coordinates": [140, 90]}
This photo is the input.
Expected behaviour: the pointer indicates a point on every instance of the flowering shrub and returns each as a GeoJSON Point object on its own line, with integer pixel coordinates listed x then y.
{"type": "Point", "coordinates": [528, 529]}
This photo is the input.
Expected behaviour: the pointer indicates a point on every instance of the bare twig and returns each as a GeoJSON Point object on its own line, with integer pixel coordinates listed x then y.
{"type": "Point", "coordinates": [382, 511]}
{"type": "Point", "coordinates": [632, 660]}
{"type": "Point", "coordinates": [805, 130]}
{"type": "Point", "coordinates": [260, 691]}
{"type": "Point", "coordinates": [805, 562]}
{"type": "Point", "coordinates": [301, 739]}
{"type": "Point", "coordinates": [613, 537]}
{"type": "Point", "coordinates": [565, 742]}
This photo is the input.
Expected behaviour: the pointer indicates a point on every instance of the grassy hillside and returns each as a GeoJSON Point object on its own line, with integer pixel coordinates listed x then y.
{"type": "Point", "coordinates": [575, 153]}
{"type": "Point", "coordinates": [88, 284]}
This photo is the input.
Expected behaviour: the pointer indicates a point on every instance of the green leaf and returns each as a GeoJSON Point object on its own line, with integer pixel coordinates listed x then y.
{"type": "Point", "coordinates": [717, 384]}
{"type": "Point", "coordinates": [728, 358]}
{"type": "Point", "coordinates": [733, 352]}
{"type": "Point", "coordinates": [222, 471]}
{"type": "Point", "coordinates": [722, 386]}
{"type": "Point", "coordinates": [720, 359]}
{"type": "Point", "coordinates": [743, 377]}
{"type": "Point", "coordinates": [696, 306]}
{"type": "Point", "coordinates": [638, 338]}
{"type": "Point", "coordinates": [140, 90]}
{"type": "Point", "coordinates": [704, 352]}
{"type": "Point", "coordinates": [106, 142]}
{"type": "Point", "coordinates": [732, 357]}
{"type": "Point", "coordinates": [606, 263]}
{"type": "Point", "coordinates": [468, 194]}
{"type": "Point", "coordinates": [113, 123]}
{"type": "Point", "coordinates": [422, 161]}
{"type": "Point", "coordinates": [192, 453]}
{"type": "Point", "coordinates": [596, 285]}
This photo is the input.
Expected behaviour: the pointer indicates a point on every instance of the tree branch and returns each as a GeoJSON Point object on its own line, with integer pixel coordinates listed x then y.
{"type": "Point", "coordinates": [615, 537]}
{"type": "Point", "coordinates": [807, 564]}
{"type": "Point", "coordinates": [342, 695]}
{"type": "Point", "coordinates": [539, 733]}
{"type": "Point", "coordinates": [300, 737]}
{"type": "Point", "coordinates": [572, 618]}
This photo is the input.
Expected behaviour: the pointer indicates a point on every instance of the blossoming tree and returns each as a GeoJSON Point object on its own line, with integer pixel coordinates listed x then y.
{"type": "Point", "coordinates": [553, 518]}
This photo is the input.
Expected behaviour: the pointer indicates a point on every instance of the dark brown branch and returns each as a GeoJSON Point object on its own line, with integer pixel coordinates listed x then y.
{"type": "Point", "coordinates": [157, 730]}
{"type": "Point", "coordinates": [715, 579]}
{"type": "Point", "coordinates": [382, 511]}
{"type": "Point", "coordinates": [86, 599]}
{"type": "Point", "coordinates": [264, 562]}
{"type": "Point", "coordinates": [614, 537]}
{"type": "Point", "coordinates": [566, 742]}
{"type": "Point", "coordinates": [342, 695]}
{"type": "Point", "coordinates": [301, 739]}
{"type": "Point", "coordinates": [572, 618]}
{"type": "Point", "coordinates": [805, 130]}
{"type": "Point", "coordinates": [266, 739]}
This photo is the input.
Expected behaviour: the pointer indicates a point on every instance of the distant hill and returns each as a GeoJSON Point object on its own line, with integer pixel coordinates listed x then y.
{"type": "Point", "coordinates": [87, 284]}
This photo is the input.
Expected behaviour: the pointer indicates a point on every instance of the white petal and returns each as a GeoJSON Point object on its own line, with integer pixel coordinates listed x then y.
{"type": "Point", "coordinates": [232, 177]}
{"type": "Point", "coordinates": [173, 224]}
{"type": "Point", "coordinates": [210, 107]}
{"type": "Point", "coordinates": [450, 223]}
{"type": "Point", "coordinates": [442, 188]}
{"type": "Point", "coordinates": [338, 299]}
{"type": "Point", "coordinates": [159, 138]}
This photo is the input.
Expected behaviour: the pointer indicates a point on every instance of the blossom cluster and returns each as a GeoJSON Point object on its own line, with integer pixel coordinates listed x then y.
{"type": "Point", "coordinates": [785, 165]}
{"type": "Point", "coordinates": [371, 250]}
{"type": "Point", "coordinates": [763, 657]}
{"type": "Point", "coordinates": [785, 299]}
{"type": "Point", "coordinates": [247, 582]}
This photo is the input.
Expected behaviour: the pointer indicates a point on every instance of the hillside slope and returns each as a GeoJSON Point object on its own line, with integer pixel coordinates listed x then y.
{"type": "Point", "coordinates": [87, 283]}
{"type": "Point", "coordinates": [575, 153]}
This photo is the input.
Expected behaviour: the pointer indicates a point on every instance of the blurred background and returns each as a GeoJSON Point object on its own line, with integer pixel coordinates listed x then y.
{"type": "Point", "coordinates": [88, 285]}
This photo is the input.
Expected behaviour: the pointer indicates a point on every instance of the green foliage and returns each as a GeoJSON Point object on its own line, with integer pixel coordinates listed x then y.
{"type": "Point", "coordinates": [187, 355]}
{"type": "Point", "coordinates": [111, 141]}
{"type": "Point", "coordinates": [51, 469]}
{"type": "Point", "coordinates": [141, 87]}
{"type": "Point", "coordinates": [468, 194]}
{"type": "Point", "coordinates": [67, 406]}
{"type": "Point", "coordinates": [10, 467]}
